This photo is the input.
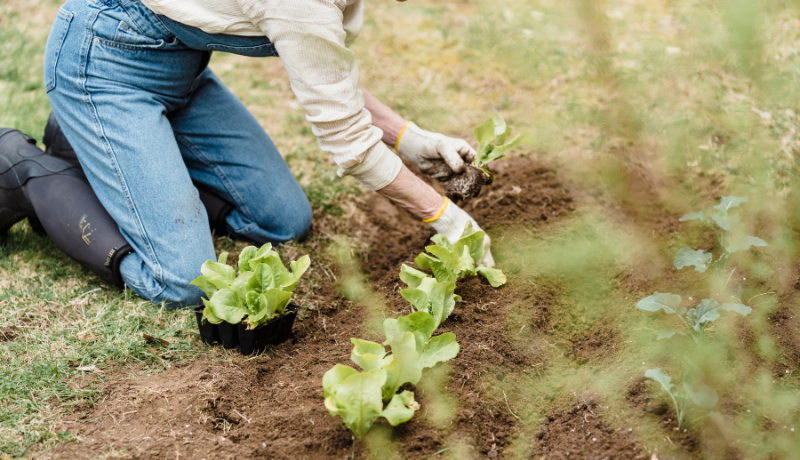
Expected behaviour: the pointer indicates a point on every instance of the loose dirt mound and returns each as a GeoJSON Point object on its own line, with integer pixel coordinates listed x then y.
{"type": "Point", "coordinates": [272, 406]}
{"type": "Point", "coordinates": [580, 432]}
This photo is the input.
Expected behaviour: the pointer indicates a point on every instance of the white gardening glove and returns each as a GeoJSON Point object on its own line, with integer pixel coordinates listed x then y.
{"type": "Point", "coordinates": [427, 150]}
{"type": "Point", "coordinates": [451, 224]}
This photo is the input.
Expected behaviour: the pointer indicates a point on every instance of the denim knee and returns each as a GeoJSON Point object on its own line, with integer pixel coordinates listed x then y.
{"type": "Point", "coordinates": [173, 287]}
{"type": "Point", "coordinates": [291, 225]}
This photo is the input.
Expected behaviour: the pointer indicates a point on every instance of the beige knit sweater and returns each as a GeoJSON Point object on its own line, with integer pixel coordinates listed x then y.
{"type": "Point", "coordinates": [311, 37]}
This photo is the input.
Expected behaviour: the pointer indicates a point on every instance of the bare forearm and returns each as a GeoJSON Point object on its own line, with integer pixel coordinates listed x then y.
{"type": "Point", "coordinates": [407, 190]}
{"type": "Point", "coordinates": [413, 194]}
{"type": "Point", "coordinates": [389, 121]}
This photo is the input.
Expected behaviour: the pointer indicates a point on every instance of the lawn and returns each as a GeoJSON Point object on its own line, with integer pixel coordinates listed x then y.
{"type": "Point", "coordinates": [643, 111]}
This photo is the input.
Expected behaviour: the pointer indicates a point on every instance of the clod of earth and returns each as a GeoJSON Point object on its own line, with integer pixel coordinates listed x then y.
{"type": "Point", "coordinates": [462, 187]}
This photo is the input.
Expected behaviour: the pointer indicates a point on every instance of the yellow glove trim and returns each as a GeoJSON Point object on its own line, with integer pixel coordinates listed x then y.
{"type": "Point", "coordinates": [399, 136]}
{"type": "Point", "coordinates": [438, 213]}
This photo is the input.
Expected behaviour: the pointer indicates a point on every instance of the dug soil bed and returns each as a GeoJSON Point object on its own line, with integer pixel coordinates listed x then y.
{"type": "Point", "coordinates": [271, 406]}
{"type": "Point", "coordinates": [579, 432]}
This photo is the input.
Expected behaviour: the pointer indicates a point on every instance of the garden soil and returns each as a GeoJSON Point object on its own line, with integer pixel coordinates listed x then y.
{"type": "Point", "coordinates": [271, 406]}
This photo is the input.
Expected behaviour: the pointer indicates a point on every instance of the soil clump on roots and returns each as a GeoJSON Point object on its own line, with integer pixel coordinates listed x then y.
{"type": "Point", "coordinates": [272, 406]}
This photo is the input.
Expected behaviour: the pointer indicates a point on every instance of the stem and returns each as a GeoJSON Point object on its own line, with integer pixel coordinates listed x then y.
{"type": "Point", "coordinates": [689, 329]}
{"type": "Point", "coordinates": [726, 282]}
{"type": "Point", "coordinates": [677, 409]}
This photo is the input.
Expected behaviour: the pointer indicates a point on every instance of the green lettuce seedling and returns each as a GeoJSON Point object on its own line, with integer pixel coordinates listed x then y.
{"type": "Point", "coordinates": [493, 142]}
{"type": "Point", "coordinates": [450, 262]}
{"type": "Point", "coordinates": [359, 400]}
{"type": "Point", "coordinates": [694, 319]}
{"type": "Point", "coordinates": [356, 398]}
{"type": "Point", "coordinates": [695, 390]}
{"type": "Point", "coordinates": [421, 326]}
{"type": "Point", "coordinates": [260, 292]}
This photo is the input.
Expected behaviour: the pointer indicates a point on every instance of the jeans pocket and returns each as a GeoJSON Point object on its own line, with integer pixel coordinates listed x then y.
{"type": "Point", "coordinates": [116, 28]}
{"type": "Point", "coordinates": [128, 36]}
{"type": "Point", "coordinates": [55, 41]}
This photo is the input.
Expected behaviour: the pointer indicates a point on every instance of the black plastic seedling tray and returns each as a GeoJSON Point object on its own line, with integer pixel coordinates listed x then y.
{"type": "Point", "coordinates": [231, 336]}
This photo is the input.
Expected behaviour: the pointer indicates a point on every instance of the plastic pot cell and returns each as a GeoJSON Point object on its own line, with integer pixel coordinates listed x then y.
{"type": "Point", "coordinates": [231, 336]}
{"type": "Point", "coordinates": [209, 333]}
{"type": "Point", "coordinates": [275, 331]}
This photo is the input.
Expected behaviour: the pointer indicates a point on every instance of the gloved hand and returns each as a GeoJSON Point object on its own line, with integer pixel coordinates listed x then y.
{"type": "Point", "coordinates": [427, 150]}
{"type": "Point", "coordinates": [451, 224]}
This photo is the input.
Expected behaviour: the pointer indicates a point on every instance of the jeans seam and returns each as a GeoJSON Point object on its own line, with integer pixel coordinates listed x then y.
{"type": "Point", "coordinates": [82, 79]}
{"type": "Point", "coordinates": [240, 205]}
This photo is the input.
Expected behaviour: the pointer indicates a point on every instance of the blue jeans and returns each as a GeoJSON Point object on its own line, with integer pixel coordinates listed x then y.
{"type": "Point", "coordinates": [146, 117]}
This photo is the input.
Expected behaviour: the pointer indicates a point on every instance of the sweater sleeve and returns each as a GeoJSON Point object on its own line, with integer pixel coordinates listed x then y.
{"type": "Point", "coordinates": [310, 36]}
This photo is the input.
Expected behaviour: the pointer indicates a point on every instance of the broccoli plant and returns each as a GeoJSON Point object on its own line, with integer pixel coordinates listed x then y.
{"type": "Point", "coordinates": [259, 293]}
{"type": "Point", "coordinates": [696, 319]}
{"type": "Point", "coordinates": [695, 390]}
{"type": "Point", "coordinates": [494, 140]}
{"type": "Point", "coordinates": [450, 262]}
{"type": "Point", "coordinates": [723, 223]}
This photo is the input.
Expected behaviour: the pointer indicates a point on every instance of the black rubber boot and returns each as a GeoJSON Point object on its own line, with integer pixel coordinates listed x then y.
{"type": "Point", "coordinates": [79, 225]}
{"type": "Point", "coordinates": [56, 143]}
{"type": "Point", "coordinates": [217, 208]}
{"type": "Point", "coordinates": [55, 193]}
{"type": "Point", "coordinates": [20, 161]}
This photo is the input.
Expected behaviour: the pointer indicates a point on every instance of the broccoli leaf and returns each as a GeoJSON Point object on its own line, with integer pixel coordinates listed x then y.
{"type": "Point", "coordinates": [660, 301]}
{"type": "Point", "coordinates": [400, 409]}
{"type": "Point", "coordinates": [440, 348]}
{"type": "Point", "coordinates": [667, 333]}
{"type": "Point", "coordinates": [739, 308]}
{"type": "Point", "coordinates": [694, 216]}
{"type": "Point", "coordinates": [728, 202]}
{"type": "Point", "coordinates": [700, 259]}
{"type": "Point", "coordinates": [494, 276]}
{"type": "Point", "coordinates": [659, 376]}
{"type": "Point", "coordinates": [707, 311]}
{"type": "Point", "coordinates": [700, 393]}
{"type": "Point", "coordinates": [743, 243]}
{"type": "Point", "coordinates": [357, 399]}
{"type": "Point", "coordinates": [725, 221]}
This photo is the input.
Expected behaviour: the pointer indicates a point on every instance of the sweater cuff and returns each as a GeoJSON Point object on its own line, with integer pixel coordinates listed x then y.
{"type": "Point", "coordinates": [378, 169]}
